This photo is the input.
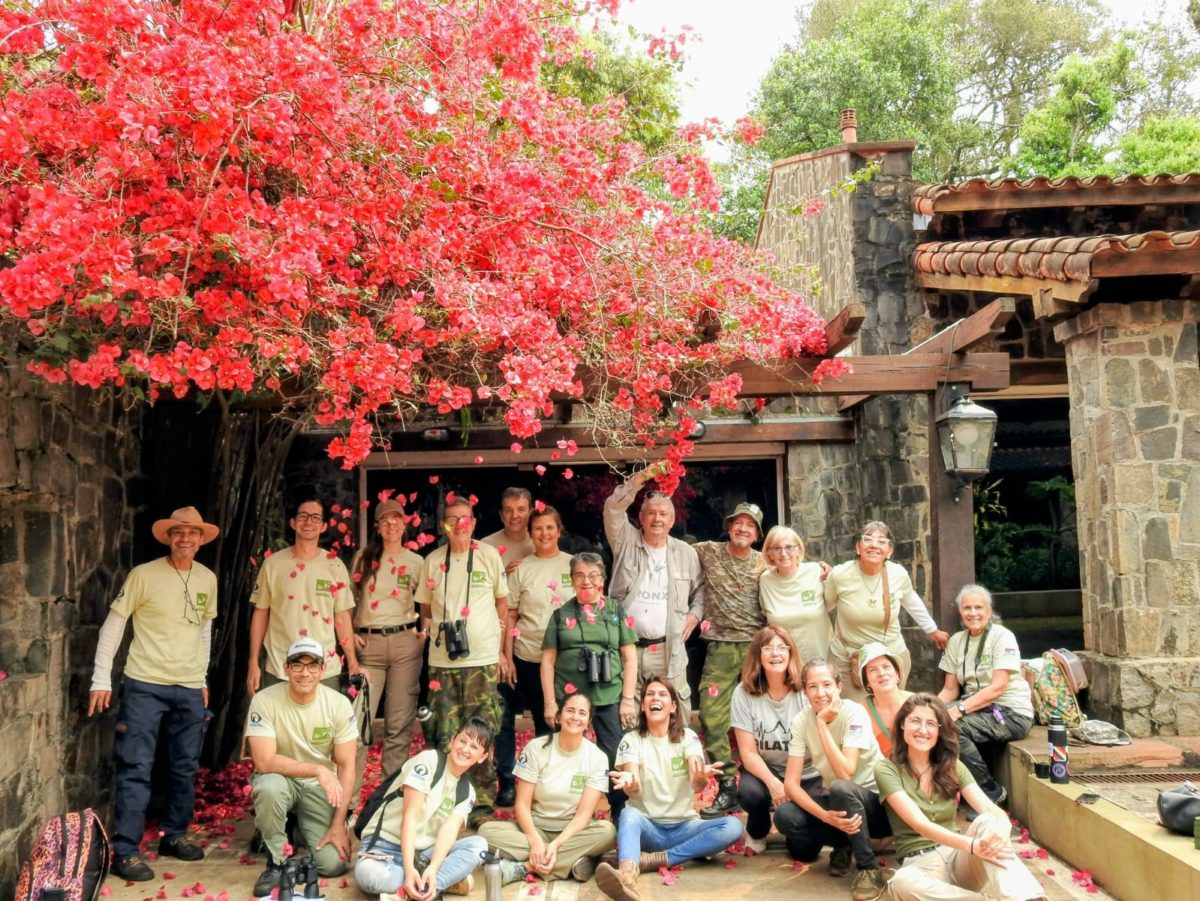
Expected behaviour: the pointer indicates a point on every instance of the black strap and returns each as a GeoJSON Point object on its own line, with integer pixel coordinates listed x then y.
{"type": "Point", "coordinates": [446, 585]}
{"type": "Point", "coordinates": [461, 791]}
{"type": "Point", "coordinates": [978, 654]}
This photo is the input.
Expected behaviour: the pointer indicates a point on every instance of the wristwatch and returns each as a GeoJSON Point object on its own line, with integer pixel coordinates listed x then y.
{"type": "Point", "coordinates": [962, 708]}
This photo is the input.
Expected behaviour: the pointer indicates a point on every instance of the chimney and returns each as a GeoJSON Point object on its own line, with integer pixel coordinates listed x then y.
{"type": "Point", "coordinates": [849, 126]}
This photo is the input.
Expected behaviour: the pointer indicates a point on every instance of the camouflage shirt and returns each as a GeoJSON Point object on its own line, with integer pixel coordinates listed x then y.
{"type": "Point", "coordinates": [731, 593]}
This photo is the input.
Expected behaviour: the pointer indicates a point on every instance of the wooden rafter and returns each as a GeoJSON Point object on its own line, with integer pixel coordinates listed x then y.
{"type": "Point", "coordinates": [883, 374]}
{"type": "Point", "coordinates": [842, 330]}
{"type": "Point", "coordinates": [1069, 291]}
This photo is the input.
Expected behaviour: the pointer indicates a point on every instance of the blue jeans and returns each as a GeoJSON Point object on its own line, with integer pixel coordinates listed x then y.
{"type": "Point", "coordinates": [682, 841]}
{"type": "Point", "coordinates": [380, 866]}
{"type": "Point", "coordinates": [144, 705]}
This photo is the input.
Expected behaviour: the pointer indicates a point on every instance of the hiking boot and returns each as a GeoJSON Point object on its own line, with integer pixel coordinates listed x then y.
{"type": "Point", "coordinates": [507, 796]}
{"type": "Point", "coordinates": [620, 885]}
{"type": "Point", "coordinates": [180, 847]}
{"type": "Point", "coordinates": [511, 871]}
{"type": "Point", "coordinates": [840, 860]}
{"type": "Point", "coordinates": [268, 879]}
{"type": "Point", "coordinates": [583, 869]}
{"type": "Point", "coordinates": [133, 869]}
{"type": "Point", "coordinates": [653, 861]}
{"type": "Point", "coordinates": [868, 885]}
{"type": "Point", "coordinates": [462, 887]}
{"type": "Point", "coordinates": [724, 802]}
{"type": "Point", "coordinates": [479, 815]}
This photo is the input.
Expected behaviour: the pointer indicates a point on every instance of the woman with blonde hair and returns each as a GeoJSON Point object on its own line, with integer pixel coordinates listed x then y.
{"type": "Point", "coordinates": [790, 593]}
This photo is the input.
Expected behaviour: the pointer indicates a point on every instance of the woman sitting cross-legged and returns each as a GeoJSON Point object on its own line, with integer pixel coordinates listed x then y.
{"type": "Point", "coordinates": [560, 780]}
{"type": "Point", "coordinates": [845, 812]}
{"type": "Point", "coordinates": [660, 766]}
{"type": "Point", "coordinates": [412, 842]}
{"type": "Point", "coordinates": [920, 785]}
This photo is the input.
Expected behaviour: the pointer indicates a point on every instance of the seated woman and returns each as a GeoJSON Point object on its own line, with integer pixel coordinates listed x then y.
{"type": "Point", "coordinates": [845, 812]}
{"type": "Point", "coordinates": [920, 785]}
{"type": "Point", "coordinates": [763, 706]}
{"type": "Point", "coordinates": [412, 842]}
{"type": "Point", "coordinates": [988, 700]}
{"type": "Point", "coordinates": [661, 815]}
{"type": "Point", "coordinates": [881, 679]}
{"type": "Point", "coordinates": [560, 779]}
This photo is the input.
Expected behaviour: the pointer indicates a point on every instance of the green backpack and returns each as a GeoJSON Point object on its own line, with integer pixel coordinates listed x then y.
{"type": "Point", "coordinates": [1054, 686]}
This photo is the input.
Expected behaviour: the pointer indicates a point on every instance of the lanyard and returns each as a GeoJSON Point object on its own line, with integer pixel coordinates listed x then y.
{"type": "Point", "coordinates": [446, 581]}
{"type": "Point", "coordinates": [978, 654]}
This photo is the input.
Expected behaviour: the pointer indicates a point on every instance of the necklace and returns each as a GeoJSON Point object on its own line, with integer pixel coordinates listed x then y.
{"type": "Point", "coordinates": [189, 607]}
{"type": "Point", "coordinates": [871, 599]}
{"type": "Point", "coordinates": [737, 570]}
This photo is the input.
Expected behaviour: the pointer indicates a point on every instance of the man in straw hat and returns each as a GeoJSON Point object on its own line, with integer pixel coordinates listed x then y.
{"type": "Point", "coordinates": [172, 601]}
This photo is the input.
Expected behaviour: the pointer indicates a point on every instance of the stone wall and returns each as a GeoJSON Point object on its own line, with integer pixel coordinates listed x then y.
{"type": "Point", "coordinates": [1135, 444]}
{"type": "Point", "coordinates": [66, 458]}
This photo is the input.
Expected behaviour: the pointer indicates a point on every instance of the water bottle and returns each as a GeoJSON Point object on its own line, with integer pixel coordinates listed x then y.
{"type": "Point", "coordinates": [1057, 734]}
{"type": "Point", "coordinates": [492, 878]}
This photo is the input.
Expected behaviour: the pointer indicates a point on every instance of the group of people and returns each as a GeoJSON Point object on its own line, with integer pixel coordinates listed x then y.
{"type": "Point", "coordinates": [831, 749]}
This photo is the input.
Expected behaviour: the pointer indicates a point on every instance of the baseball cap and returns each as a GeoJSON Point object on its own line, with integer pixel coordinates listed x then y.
{"type": "Point", "coordinates": [305, 647]}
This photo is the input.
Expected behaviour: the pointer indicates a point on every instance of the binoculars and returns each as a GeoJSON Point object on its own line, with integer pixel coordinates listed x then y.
{"type": "Point", "coordinates": [455, 633]}
{"type": "Point", "coordinates": [597, 665]}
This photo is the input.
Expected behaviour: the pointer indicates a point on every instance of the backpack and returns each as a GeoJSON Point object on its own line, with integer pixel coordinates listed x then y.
{"type": "Point", "coordinates": [69, 862]}
{"type": "Point", "coordinates": [384, 795]}
{"type": "Point", "coordinates": [1054, 684]}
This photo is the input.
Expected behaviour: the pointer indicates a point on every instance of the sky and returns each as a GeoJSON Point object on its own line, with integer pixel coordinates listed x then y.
{"type": "Point", "coordinates": [737, 39]}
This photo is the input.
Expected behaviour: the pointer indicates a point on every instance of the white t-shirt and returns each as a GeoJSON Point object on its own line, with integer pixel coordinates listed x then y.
{"type": "Point", "coordinates": [974, 667]}
{"type": "Point", "coordinates": [559, 778]}
{"type": "Point", "coordinates": [417, 773]}
{"type": "Point", "coordinates": [850, 729]}
{"type": "Point", "coordinates": [648, 602]}
{"type": "Point", "coordinates": [667, 795]}
{"type": "Point", "coordinates": [769, 721]}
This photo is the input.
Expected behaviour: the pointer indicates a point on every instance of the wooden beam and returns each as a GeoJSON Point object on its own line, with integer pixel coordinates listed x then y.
{"type": "Point", "coordinates": [1146, 262]}
{"type": "Point", "coordinates": [1038, 371]}
{"type": "Point", "coordinates": [1047, 306]}
{"type": "Point", "coordinates": [1031, 199]}
{"type": "Point", "coordinates": [1074, 292]}
{"type": "Point", "coordinates": [842, 329]}
{"type": "Point", "coordinates": [951, 530]}
{"type": "Point", "coordinates": [884, 374]}
{"type": "Point", "coordinates": [456, 458]}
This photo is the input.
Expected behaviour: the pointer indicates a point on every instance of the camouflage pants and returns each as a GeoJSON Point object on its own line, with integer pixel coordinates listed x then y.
{"type": "Point", "coordinates": [456, 695]}
{"type": "Point", "coordinates": [722, 669]}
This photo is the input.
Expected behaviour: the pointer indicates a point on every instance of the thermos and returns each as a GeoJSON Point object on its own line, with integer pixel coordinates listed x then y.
{"type": "Point", "coordinates": [492, 878]}
{"type": "Point", "coordinates": [1057, 735]}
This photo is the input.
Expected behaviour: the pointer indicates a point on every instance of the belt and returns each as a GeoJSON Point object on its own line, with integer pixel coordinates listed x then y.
{"type": "Point", "coordinates": [647, 642]}
{"type": "Point", "coordinates": [387, 630]}
{"type": "Point", "coordinates": [921, 853]}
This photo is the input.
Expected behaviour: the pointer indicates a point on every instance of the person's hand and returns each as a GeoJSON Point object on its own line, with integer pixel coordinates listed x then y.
{"type": "Point", "coordinates": [513, 564]}
{"type": "Point", "coordinates": [331, 786]}
{"type": "Point", "coordinates": [537, 854]}
{"type": "Point", "coordinates": [628, 711]}
{"type": "Point", "coordinates": [622, 780]}
{"type": "Point", "coordinates": [838, 820]}
{"type": "Point", "coordinates": [99, 701]}
{"type": "Point", "coordinates": [826, 569]}
{"type": "Point", "coordinates": [990, 846]}
{"type": "Point", "coordinates": [778, 792]}
{"type": "Point", "coordinates": [359, 670]}
{"type": "Point", "coordinates": [338, 837]}
{"type": "Point", "coordinates": [505, 671]}
{"type": "Point", "coordinates": [550, 856]}
{"type": "Point", "coordinates": [550, 713]}
{"type": "Point", "coordinates": [360, 641]}
{"type": "Point", "coordinates": [689, 625]}
{"type": "Point", "coordinates": [415, 885]}
{"type": "Point", "coordinates": [955, 713]}
{"type": "Point", "coordinates": [253, 678]}
{"type": "Point", "coordinates": [204, 695]}
{"type": "Point", "coordinates": [940, 639]}
{"type": "Point", "coordinates": [714, 770]}
{"type": "Point", "coordinates": [829, 714]}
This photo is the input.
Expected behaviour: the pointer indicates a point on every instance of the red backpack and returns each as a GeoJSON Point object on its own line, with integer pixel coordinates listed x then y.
{"type": "Point", "coordinates": [68, 863]}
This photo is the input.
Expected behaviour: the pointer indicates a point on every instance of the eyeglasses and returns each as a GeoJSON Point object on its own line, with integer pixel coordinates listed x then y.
{"type": "Point", "coordinates": [784, 549]}
{"type": "Point", "coordinates": [915, 722]}
{"type": "Point", "coordinates": [873, 541]}
{"type": "Point", "coordinates": [392, 520]}
{"type": "Point", "coordinates": [595, 578]}
{"type": "Point", "coordinates": [309, 517]}
{"type": "Point", "coordinates": [776, 650]}
{"type": "Point", "coordinates": [299, 667]}
{"type": "Point", "coordinates": [455, 520]}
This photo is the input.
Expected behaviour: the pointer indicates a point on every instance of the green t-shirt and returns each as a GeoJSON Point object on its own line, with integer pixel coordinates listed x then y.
{"type": "Point", "coordinates": [570, 632]}
{"type": "Point", "coordinates": [891, 779]}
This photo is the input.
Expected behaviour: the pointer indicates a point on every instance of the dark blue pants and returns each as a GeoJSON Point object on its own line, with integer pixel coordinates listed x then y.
{"type": "Point", "coordinates": [526, 694]}
{"type": "Point", "coordinates": [144, 706]}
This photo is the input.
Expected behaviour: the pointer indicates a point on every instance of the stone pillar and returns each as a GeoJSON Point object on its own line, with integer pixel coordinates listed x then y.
{"type": "Point", "coordinates": [1135, 447]}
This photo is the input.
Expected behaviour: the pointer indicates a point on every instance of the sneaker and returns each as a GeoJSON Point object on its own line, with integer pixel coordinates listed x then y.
{"type": "Point", "coordinates": [757, 845]}
{"type": "Point", "coordinates": [180, 847]}
{"type": "Point", "coordinates": [868, 885]}
{"type": "Point", "coordinates": [462, 887]}
{"type": "Point", "coordinates": [840, 860]}
{"type": "Point", "coordinates": [268, 879]}
{"type": "Point", "coordinates": [133, 869]}
{"type": "Point", "coordinates": [511, 871]}
{"type": "Point", "coordinates": [583, 869]}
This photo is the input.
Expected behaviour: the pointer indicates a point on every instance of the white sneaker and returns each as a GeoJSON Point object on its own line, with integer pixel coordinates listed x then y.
{"type": "Point", "coordinates": [757, 845]}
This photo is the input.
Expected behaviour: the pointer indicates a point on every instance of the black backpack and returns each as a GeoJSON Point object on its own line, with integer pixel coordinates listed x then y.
{"type": "Point", "coordinates": [384, 794]}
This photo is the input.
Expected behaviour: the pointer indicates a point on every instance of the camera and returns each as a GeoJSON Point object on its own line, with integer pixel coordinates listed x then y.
{"type": "Point", "coordinates": [597, 665]}
{"type": "Point", "coordinates": [455, 633]}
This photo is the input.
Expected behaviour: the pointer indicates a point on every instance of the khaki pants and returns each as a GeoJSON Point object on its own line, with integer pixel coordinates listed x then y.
{"type": "Point", "coordinates": [274, 796]}
{"type": "Point", "coordinates": [653, 663]}
{"type": "Point", "coordinates": [592, 840]}
{"type": "Point", "coordinates": [393, 665]}
{"type": "Point", "coordinates": [946, 874]}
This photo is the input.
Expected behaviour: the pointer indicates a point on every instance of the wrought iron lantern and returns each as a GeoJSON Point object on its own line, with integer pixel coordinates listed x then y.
{"type": "Point", "coordinates": [966, 433]}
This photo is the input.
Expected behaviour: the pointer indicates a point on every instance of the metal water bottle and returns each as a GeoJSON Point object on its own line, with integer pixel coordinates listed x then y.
{"type": "Point", "coordinates": [1057, 734]}
{"type": "Point", "coordinates": [492, 878]}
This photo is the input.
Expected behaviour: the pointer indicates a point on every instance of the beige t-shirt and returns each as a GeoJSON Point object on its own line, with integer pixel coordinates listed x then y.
{"type": "Point", "coordinates": [797, 603]}
{"type": "Point", "coordinates": [663, 771]}
{"type": "Point", "coordinates": [486, 583]}
{"type": "Point", "coordinates": [559, 778]}
{"type": "Point", "coordinates": [509, 550]}
{"type": "Point", "coordinates": [850, 729]}
{"type": "Point", "coordinates": [303, 596]}
{"type": "Point", "coordinates": [167, 622]}
{"type": "Point", "coordinates": [418, 773]}
{"type": "Point", "coordinates": [860, 608]}
{"type": "Point", "coordinates": [386, 594]}
{"type": "Point", "coordinates": [304, 732]}
{"type": "Point", "coordinates": [974, 666]}
{"type": "Point", "coordinates": [532, 589]}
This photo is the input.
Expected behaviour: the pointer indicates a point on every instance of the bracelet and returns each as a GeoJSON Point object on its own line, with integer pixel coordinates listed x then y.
{"type": "Point", "coordinates": [628, 698]}
{"type": "Point", "coordinates": [972, 851]}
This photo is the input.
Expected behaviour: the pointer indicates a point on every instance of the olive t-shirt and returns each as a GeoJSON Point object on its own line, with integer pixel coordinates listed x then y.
{"type": "Point", "coordinates": [303, 596]}
{"type": "Point", "coordinates": [570, 632]}
{"type": "Point", "coordinates": [536, 588]}
{"type": "Point", "coordinates": [386, 593]}
{"type": "Point", "coordinates": [730, 593]}
{"type": "Point", "coordinates": [169, 609]}
{"type": "Point", "coordinates": [451, 594]}
{"type": "Point", "coordinates": [559, 778]}
{"type": "Point", "coordinates": [667, 795]}
{"type": "Point", "coordinates": [439, 806]}
{"type": "Point", "coordinates": [303, 732]}
{"type": "Point", "coordinates": [942, 811]}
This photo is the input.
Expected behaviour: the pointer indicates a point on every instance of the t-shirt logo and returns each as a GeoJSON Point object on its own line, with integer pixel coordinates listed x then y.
{"type": "Point", "coordinates": [478, 577]}
{"type": "Point", "coordinates": [402, 581]}
{"type": "Point", "coordinates": [808, 597]}
{"type": "Point", "coordinates": [322, 733]}
{"type": "Point", "coordinates": [446, 806]}
{"type": "Point", "coordinates": [678, 765]}
{"type": "Point", "coordinates": [578, 781]}
{"type": "Point", "coordinates": [201, 600]}
{"type": "Point", "coordinates": [255, 718]}
{"type": "Point", "coordinates": [854, 730]}
{"type": "Point", "coordinates": [323, 586]}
